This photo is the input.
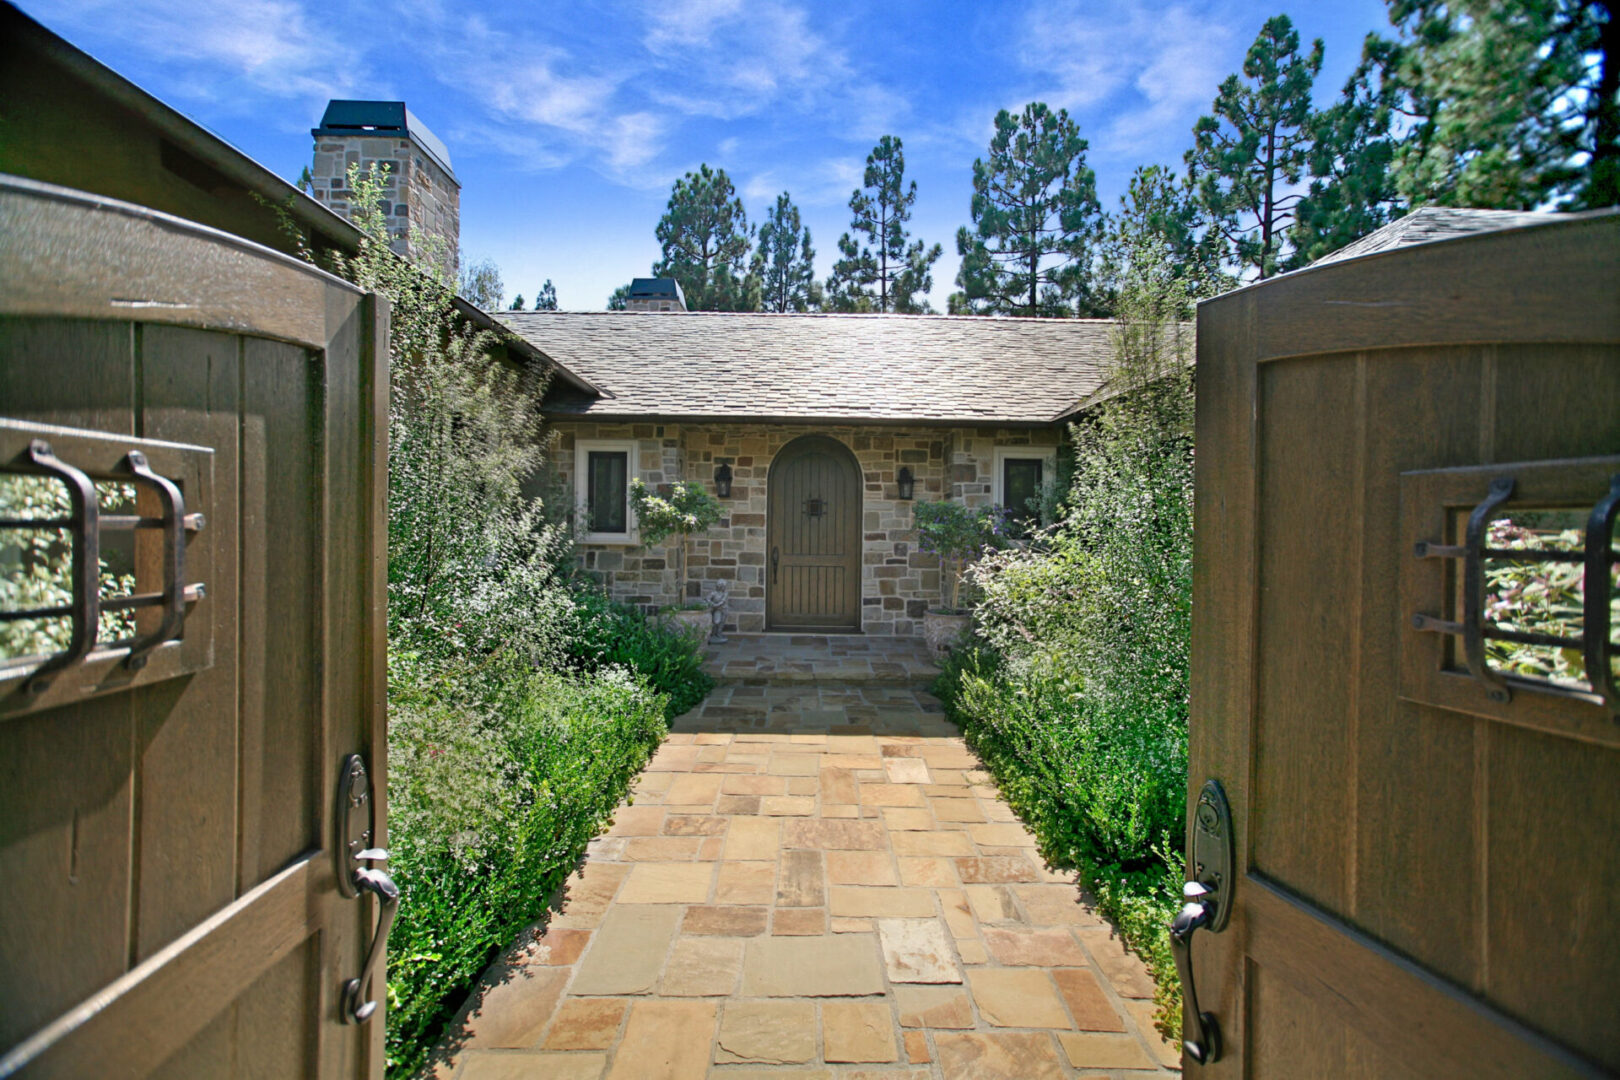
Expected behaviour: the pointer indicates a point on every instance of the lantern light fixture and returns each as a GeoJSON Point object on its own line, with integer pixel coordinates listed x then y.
{"type": "Point", "coordinates": [722, 481]}
{"type": "Point", "coordinates": [906, 483]}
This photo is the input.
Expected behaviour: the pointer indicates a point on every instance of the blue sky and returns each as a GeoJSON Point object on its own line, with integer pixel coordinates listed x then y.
{"type": "Point", "coordinates": [567, 123]}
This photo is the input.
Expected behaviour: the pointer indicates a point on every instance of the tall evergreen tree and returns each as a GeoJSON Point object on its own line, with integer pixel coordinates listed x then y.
{"type": "Point", "coordinates": [1353, 145]}
{"type": "Point", "coordinates": [1159, 224]}
{"type": "Point", "coordinates": [619, 299]}
{"type": "Point", "coordinates": [1513, 103]}
{"type": "Point", "coordinates": [784, 261]}
{"type": "Point", "coordinates": [1035, 219]}
{"type": "Point", "coordinates": [517, 303]}
{"type": "Point", "coordinates": [1254, 148]}
{"type": "Point", "coordinates": [890, 271]}
{"type": "Point", "coordinates": [705, 238]}
{"type": "Point", "coordinates": [546, 298]}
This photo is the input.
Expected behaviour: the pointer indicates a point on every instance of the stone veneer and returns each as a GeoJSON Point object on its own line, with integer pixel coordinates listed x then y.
{"type": "Point", "coordinates": [898, 582]}
{"type": "Point", "coordinates": [423, 200]}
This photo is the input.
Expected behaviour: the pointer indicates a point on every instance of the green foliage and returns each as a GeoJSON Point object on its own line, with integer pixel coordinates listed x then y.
{"type": "Point", "coordinates": [36, 565]}
{"type": "Point", "coordinates": [1504, 97]}
{"type": "Point", "coordinates": [605, 634]}
{"type": "Point", "coordinates": [705, 238]}
{"type": "Point", "coordinates": [619, 299]}
{"type": "Point", "coordinates": [1036, 218]}
{"type": "Point", "coordinates": [957, 534]}
{"type": "Point", "coordinates": [1540, 598]}
{"type": "Point", "coordinates": [785, 261]}
{"type": "Point", "coordinates": [1248, 154]}
{"type": "Point", "coordinates": [497, 779]}
{"type": "Point", "coordinates": [546, 298]}
{"type": "Point", "coordinates": [891, 273]}
{"type": "Point", "coordinates": [686, 509]}
{"type": "Point", "coordinates": [1155, 244]}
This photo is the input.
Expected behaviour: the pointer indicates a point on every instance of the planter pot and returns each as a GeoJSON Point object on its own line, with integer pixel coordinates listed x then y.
{"type": "Point", "coordinates": [693, 624]}
{"type": "Point", "coordinates": [942, 631]}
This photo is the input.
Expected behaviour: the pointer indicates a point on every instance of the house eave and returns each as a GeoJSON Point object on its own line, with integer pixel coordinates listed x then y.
{"type": "Point", "coordinates": [595, 416]}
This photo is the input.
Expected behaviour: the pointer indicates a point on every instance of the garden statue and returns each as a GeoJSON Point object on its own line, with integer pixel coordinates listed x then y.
{"type": "Point", "coordinates": [718, 599]}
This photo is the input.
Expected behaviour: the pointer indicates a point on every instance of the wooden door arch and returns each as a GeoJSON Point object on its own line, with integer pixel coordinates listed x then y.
{"type": "Point", "coordinates": [813, 537]}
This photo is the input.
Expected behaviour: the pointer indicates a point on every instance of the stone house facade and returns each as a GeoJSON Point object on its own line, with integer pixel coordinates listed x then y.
{"type": "Point", "coordinates": [960, 404]}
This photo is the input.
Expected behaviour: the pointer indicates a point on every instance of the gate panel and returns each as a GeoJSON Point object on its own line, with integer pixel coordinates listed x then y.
{"type": "Point", "coordinates": [167, 858]}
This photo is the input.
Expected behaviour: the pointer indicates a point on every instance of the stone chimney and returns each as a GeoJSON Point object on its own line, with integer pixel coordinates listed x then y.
{"type": "Point", "coordinates": [655, 294]}
{"type": "Point", "coordinates": [423, 201]}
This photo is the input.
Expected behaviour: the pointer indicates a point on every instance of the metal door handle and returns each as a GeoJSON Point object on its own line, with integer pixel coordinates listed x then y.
{"type": "Point", "coordinates": [775, 554]}
{"type": "Point", "coordinates": [356, 1008]}
{"type": "Point", "coordinates": [1203, 1044]}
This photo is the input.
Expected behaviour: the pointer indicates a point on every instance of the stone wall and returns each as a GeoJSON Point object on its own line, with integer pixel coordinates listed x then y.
{"type": "Point", "coordinates": [898, 582]}
{"type": "Point", "coordinates": [423, 200]}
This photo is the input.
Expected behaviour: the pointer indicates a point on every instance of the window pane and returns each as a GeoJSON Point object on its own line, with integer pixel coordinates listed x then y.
{"type": "Point", "coordinates": [1020, 486]}
{"type": "Point", "coordinates": [607, 493]}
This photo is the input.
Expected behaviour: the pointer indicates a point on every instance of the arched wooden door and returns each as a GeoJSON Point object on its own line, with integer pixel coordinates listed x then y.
{"type": "Point", "coordinates": [813, 527]}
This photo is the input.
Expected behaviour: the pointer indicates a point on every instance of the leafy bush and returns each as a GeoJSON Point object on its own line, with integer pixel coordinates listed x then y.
{"type": "Point", "coordinates": [684, 510]}
{"type": "Point", "coordinates": [606, 633]}
{"type": "Point", "coordinates": [497, 779]}
{"type": "Point", "coordinates": [957, 534]}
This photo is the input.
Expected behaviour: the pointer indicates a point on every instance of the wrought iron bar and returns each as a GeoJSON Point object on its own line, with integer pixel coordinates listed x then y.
{"type": "Point", "coordinates": [1599, 557]}
{"type": "Point", "coordinates": [83, 515]}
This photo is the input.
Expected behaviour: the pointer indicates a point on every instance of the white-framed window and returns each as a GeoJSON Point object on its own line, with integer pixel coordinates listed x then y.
{"type": "Point", "coordinates": [603, 469]}
{"type": "Point", "coordinates": [1021, 475]}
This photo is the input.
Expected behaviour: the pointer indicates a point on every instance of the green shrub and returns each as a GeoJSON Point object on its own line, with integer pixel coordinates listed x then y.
{"type": "Point", "coordinates": [603, 632]}
{"type": "Point", "coordinates": [497, 779]}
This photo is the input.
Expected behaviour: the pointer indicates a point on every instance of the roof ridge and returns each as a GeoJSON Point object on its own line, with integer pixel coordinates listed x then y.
{"type": "Point", "coordinates": [858, 315]}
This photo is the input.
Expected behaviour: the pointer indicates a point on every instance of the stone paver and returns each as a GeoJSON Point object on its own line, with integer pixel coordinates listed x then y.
{"type": "Point", "coordinates": [817, 881]}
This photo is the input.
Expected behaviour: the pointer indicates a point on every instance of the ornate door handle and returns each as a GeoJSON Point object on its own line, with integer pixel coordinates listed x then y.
{"type": "Point", "coordinates": [1203, 1043]}
{"type": "Point", "coordinates": [356, 1008]}
{"type": "Point", "coordinates": [1209, 905]}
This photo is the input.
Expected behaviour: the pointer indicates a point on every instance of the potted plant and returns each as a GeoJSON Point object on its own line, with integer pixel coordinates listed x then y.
{"type": "Point", "coordinates": [956, 534]}
{"type": "Point", "coordinates": [679, 511]}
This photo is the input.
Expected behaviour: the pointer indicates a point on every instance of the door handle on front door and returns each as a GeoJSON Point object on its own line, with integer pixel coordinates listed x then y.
{"type": "Point", "coordinates": [1209, 905]}
{"type": "Point", "coordinates": [776, 554]}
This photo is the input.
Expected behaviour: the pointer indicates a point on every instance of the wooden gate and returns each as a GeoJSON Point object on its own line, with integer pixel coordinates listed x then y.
{"type": "Point", "coordinates": [1421, 757]}
{"type": "Point", "coordinates": [176, 861]}
{"type": "Point", "coordinates": [813, 522]}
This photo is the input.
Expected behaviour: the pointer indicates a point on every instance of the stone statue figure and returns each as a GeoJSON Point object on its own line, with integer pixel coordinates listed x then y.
{"type": "Point", "coordinates": [719, 597]}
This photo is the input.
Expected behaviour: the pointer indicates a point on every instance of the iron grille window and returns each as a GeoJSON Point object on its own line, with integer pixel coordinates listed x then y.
{"type": "Point", "coordinates": [607, 498]}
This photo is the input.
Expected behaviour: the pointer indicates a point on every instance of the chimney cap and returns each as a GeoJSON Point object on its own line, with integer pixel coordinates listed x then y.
{"type": "Point", "coordinates": [383, 119]}
{"type": "Point", "coordinates": [657, 288]}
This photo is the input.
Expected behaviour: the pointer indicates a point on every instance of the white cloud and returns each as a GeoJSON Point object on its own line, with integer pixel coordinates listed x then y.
{"type": "Point", "coordinates": [1150, 66]}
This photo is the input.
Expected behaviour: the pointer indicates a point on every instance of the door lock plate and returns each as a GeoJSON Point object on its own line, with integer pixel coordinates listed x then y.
{"type": "Point", "coordinates": [1212, 851]}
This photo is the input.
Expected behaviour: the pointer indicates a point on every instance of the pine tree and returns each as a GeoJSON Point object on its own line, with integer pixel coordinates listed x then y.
{"type": "Point", "coordinates": [1353, 144]}
{"type": "Point", "coordinates": [546, 298]}
{"type": "Point", "coordinates": [1159, 225]}
{"type": "Point", "coordinates": [517, 303]}
{"type": "Point", "coordinates": [705, 238]}
{"type": "Point", "coordinates": [888, 274]}
{"type": "Point", "coordinates": [1513, 103]}
{"type": "Point", "coordinates": [1255, 146]}
{"type": "Point", "coordinates": [619, 299]}
{"type": "Point", "coordinates": [1036, 219]}
{"type": "Point", "coordinates": [785, 262]}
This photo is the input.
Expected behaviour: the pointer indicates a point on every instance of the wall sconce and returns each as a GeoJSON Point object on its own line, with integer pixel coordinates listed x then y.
{"type": "Point", "coordinates": [722, 481]}
{"type": "Point", "coordinates": [907, 484]}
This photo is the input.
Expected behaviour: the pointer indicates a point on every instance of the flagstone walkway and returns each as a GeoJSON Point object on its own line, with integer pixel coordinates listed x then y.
{"type": "Point", "coordinates": [815, 881]}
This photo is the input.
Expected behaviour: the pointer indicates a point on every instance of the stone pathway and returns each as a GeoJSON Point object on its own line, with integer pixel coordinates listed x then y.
{"type": "Point", "coordinates": [816, 881]}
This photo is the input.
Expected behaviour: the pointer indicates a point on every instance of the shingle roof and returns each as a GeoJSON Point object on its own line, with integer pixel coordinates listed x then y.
{"type": "Point", "coordinates": [1436, 223]}
{"type": "Point", "coordinates": [954, 369]}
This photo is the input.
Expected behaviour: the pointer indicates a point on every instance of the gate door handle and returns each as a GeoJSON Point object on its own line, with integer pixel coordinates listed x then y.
{"type": "Point", "coordinates": [1208, 907]}
{"type": "Point", "coordinates": [357, 1009]}
{"type": "Point", "coordinates": [1203, 1043]}
{"type": "Point", "coordinates": [775, 554]}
